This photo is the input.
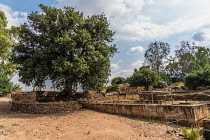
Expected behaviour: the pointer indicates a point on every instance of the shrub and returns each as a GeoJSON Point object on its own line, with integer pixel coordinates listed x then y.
{"type": "Point", "coordinates": [161, 84]}
{"type": "Point", "coordinates": [143, 77]}
{"type": "Point", "coordinates": [6, 86]}
{"type": "Point", "coordinates": [191, 135]}
{"type": "Point", "coordinates": [198, 78]}
{"type": "Point", "coordinates": [111, 88]}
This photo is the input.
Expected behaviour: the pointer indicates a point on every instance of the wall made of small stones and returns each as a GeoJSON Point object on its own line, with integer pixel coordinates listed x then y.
{"type": "Point", "coordinates": [45, 108]}
{"type": "Point", "coordinates": [160, 96]}
{"type": "Point", "coordinates": [26, 97]}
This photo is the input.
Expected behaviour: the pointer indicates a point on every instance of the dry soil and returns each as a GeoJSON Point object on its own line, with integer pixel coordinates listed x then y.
{"type": "Point", "coordinates": [78, 125]}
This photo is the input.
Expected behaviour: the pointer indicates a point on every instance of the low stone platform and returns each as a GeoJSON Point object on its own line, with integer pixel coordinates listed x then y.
{"type": "Point", "coordinates": [185, 113]}
{"type": "Point", "coordinates": [45, 108]}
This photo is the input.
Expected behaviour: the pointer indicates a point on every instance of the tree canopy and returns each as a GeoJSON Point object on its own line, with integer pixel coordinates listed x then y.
{"type": "Point", "coordinates": [143, 77]}
{"type": "Point", "coordinates": [64, 46]}
{"type": "Point", "coordinates": [7, 68]}
{"type": "Point", "coordinates": [156, 53]}
{"type": "Point", "coordinates": [183, 62]}
{"type": "Point", "coordinates": [6, 42]}
{"type": "Point", "coordinates": [198, 78]}
{"type": "Point", "coordinates": [118, 80]}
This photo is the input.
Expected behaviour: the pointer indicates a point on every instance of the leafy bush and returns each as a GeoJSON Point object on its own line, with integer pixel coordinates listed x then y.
{"type": "Point", "coordinates": [191, 135]}
{"type": "Point", "coordinates": [111, 88]}
{"type": "Point", "coordinates": [198, 78]}
{"type": "Point", "coordinates": [143, 77]}
{"type": "Point", "coordinates": [6, 86]}
{"type": "Point", "coordinates": [118, 80]}
{"type": "Point", "coordinates": [161, 84]}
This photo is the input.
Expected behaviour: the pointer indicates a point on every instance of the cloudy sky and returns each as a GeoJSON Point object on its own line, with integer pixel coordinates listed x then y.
{"type": "Point", "coordinates": [136, 23]}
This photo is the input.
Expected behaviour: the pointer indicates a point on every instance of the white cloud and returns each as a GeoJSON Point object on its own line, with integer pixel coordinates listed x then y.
{"type": "Point", "coordinates": [137, 64]}
{"type": "Point", "coordinates": [146, 19]}
{"type": "Point", "coordinates": [202, 36]}
{"type": "Point", "coordinates": [135, 50]}
{"type": "Point", "coordinates": [117, 71]}
{"type": "Point", "coordinates": [114, 67]}
{"type": "Point", "coordinates": [13, 17]}
{"type": "Point", "coordinates": [122, 73]}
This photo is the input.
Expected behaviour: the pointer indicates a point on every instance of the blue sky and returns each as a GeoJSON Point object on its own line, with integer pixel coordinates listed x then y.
{"type": "Point", "coordinates": [136, 23]}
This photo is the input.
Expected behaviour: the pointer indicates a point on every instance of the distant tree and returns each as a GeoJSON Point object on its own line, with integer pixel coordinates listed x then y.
{"type": "Point", "coordinates": [202, 58]}
{"type": "Point", "coordinates": [198, 78]}
{"type": "Point", "coordinates": [184, 60]}
{"type": "Point", "coordinates": [64, 46]}
{"type": "Point", "coordinates": [111, 88]}
{"type": "Point", "coordinates": [155, 54]}
{"type": "Point", "coordinates": [144, 77]}
{"type": "Point", "coordinates": [118, 80]}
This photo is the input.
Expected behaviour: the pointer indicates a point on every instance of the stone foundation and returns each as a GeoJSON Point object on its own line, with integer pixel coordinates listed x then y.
{"type": "Point", "coordinates": [186, 113]}
{"type": "Point", "coordinates": [45, 108]}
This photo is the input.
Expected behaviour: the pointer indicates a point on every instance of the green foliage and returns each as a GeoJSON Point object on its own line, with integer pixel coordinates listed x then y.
{"type": "Point", "coordinates": [161, 84]}
{"type": "Point", "coordinates": [118, 80]}
{"type": "Point", "coordinates": [64, 46]}
{"type": "Point", "coordinates": [198, 78]}
{"type": "Point", "coordinates": [156, 53]}
{"type": "Point", "coordinates": [111, 88]}
{"type": "Point", "coordinates": [165, 77]}
{"type": "Point", "coordinates": [202, 58]}
{"type": "Point", "coordinates": [6, 42]}
{"type": "Point", "coordinates": [144, 77]}
{"type": "Point", "coordinates": [183, 62]}
{"type": "Point", "coordinates": [6, 86]}
{"type": "Point", "coordinates": [191, 135]}
{"type": "Point", "coordinates": [2, 126]}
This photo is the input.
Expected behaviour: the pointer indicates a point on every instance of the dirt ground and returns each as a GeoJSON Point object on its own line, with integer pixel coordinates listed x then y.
{"type": "Point", "coordinates": [78, 125]}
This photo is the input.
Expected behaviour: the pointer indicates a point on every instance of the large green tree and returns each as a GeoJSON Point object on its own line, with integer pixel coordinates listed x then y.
{"type": "Point", "coordinates": [155, 54]}
{"type": "Point", "coordinates": [143, 77]}
{"type": "Point", "coordinates": [64, 46]}
{"type": "Point", "coordinates": [6, 67]}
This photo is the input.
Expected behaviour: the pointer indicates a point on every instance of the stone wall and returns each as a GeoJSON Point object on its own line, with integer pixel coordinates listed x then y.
{"type": "Point", "coordinates": [160, 96]}
{"type": "Point", "coordinates": [37, 96]}
{"type": "Point", "coordinates": [182, 112]}
{"type": "Point", "coordinates": [125, 96]}
{"type": "Point", "coordinates": [45, 108]}
{"type": "Point", "coordinates": [49, 96]}
{"type": "Point", "coordinates": [26, 97]}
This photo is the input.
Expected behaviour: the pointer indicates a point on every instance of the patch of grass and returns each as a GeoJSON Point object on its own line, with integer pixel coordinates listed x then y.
{"type": "Point", "coordinates": [135, 99]}
{"type": "Point", "coordinates": [191, 135]}
{"type": "Point", "coordinates": [2, 126]}
{"type": "Point", "coordinates": [88, 132]}
{"type": "Point", "coordinates": [15, 124]}
{"type": "Point", "coordinates": [151, 121]}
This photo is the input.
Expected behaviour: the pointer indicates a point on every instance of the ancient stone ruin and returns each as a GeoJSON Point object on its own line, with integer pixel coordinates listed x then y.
{"type": "Point", "coordinates": [42, 102]}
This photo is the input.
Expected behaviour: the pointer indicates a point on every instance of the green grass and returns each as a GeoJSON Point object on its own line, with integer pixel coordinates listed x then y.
{"type": "Point", "coordinates": [2, 126]}
{"type": "Point", "coordinates": [190, 134]}
{"type": "Point", "coordinates": [135, 99]}
{"type": "Point", "coordinates": [15, 124]}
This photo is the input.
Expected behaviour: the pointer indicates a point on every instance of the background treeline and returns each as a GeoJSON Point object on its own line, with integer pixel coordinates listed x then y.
{"type": "Point", "coordinates": [190, 64]}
